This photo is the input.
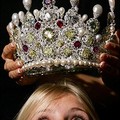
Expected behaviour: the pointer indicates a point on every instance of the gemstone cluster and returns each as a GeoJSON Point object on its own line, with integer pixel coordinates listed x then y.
{"type": "Point", "coordinates": [51, 40]}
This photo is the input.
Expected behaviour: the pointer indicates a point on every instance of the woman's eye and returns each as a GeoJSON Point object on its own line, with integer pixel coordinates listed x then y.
{"type": "Point", "coordinates": [77, 118]}
{"type": "Point", "coordinates": [42, 118]}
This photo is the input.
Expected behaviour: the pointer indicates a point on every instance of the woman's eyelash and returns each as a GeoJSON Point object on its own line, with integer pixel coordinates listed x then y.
{"type": "Point", "coordinates": [43, 118]}
{"type": "Point", "coordinates": [79, 117]}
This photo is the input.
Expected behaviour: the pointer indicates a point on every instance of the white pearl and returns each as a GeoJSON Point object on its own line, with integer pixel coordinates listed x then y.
{"type": "Point", "coordinates": [36, 13]}
{"type": "Point", "coordinates": [84, 17]}
{"type": "Point", "coordinates": [112, 4]}
{"type": "Point", "coordinates": [10, 28]}
{"type": "Point", "coordinates": [27, 4]}
{"type": "Point", "coordinates": [81, 31]}
{"type": "Point", "coordinates": [75, 62]}
{"type": "Point", "coordinates": [74, 3]}
{"type": "Point", "coordinates": [97, 10]}
{"type": "Point", "coordinates": [68, 62]}
{"type": "Point", "coordinates": [15, 19]}
{"type": "Point", "coordinates": [63, 62]}
{"type": "Point", "coordinates": [43, 63]}
{"type": "Point", "coordinates": [61, 11]}
{"type": "Point", "coordinates": [98, 37]}
{"type": "Point", "coordinates": [21, 16]}
{"type": "Point", "coordinates": [56, 62]}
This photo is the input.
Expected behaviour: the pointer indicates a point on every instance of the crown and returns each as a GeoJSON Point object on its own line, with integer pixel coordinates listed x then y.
{"type": "Point", "coordinates": [51, 40]}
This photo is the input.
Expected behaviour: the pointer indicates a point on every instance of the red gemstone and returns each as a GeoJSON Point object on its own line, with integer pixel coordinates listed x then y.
{"type": "Point", "coordinates": [60, 23]}
{"type": "Point", "coordinates": [96, 49]}
{"type": "Point", "coordinates": [77, 44]}
{"type": "Point", "coordinates": [37, 25]}
{"type": "Point", "coordinates": [25, 48]}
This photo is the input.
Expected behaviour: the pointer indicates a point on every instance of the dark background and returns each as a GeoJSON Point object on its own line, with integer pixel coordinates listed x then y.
{"type": "Point", "coordinates": [12, 96]}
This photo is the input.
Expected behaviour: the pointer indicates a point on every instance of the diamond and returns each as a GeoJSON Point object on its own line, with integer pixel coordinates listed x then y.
{"type": "Point", "coordinates": [48, 34]}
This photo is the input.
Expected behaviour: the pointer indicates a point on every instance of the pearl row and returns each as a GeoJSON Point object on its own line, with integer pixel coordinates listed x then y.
{"type": "Point", "coordinates": [55, 63]}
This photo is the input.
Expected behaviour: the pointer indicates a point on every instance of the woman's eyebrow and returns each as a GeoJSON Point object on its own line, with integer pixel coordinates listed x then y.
{"type": "Point", "coordinates": [76, 109]}
{"type": "Point", "coordinates": [46, 110]}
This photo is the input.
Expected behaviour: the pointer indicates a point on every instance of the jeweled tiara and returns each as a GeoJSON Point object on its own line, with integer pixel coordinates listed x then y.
{"type": "Point", "coordinates": [50, 40]}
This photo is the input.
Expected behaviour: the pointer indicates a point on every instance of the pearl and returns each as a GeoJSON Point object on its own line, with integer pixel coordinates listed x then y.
{"type": "Point", "coordinates": [81, 31]}
{"type": "Point", "coordinates": [15, 19]}
{"type": "Point", "coordinates": [112, 4]}
{"type": "Point", "coordinates": [68, 62]}
{"type": "Point", "coordinates": [97, 10]}
{"type": "Point", "coordinates": [98, 37]}
{"type": "Point", "coordinates": [56, 62]}
{"type": "Point", "coordinates": [21, 16]}
{"type": "Point", "coordinates": [75, 62]}
{"type": "Point", "coordinates": [61, 11]}
{"type": "Point", "coordinates": [36, 13]}
{"type": "Point", "coordinates": [10, 28]}
{"type": "Point", "coordinates": [63, 62]}
{"type": "Point", "coordinates": [74, 3]}
{"type": "Point", "coordinates": [84, 17]}
{"type": "Point", "coordinates": [27, 4]}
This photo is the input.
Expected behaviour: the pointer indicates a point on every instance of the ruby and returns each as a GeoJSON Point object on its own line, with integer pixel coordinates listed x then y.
{"type": "Point", "coordinates": [77, 44]}
{"type": "Point", "coordinates": [60, 23]}
{"type": "Point", "coordinates": [96, 49]}
{"type": "Point", "coordinates": [37, 25]}
{"type": "Point", "coordinates": [47, 2]}
{"type": "Point", "coordinates": [25, 48]}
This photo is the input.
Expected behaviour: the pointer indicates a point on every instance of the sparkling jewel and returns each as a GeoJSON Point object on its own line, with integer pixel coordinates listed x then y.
{"type": "Point", "coordinates": [60, 23]}
{"type": "Point", "coordinates": [48, 51]}
{"type": "Point", "coordinates": [48, 33]}
{"type": "Point", "coordinates": [47, 2]}
{"type": "Point", "coordinates": [96, 49]}
{"type": "Point", "coordinates": [37, 25]}
{"type": "Point", "coordinates": [70, 34]}
{"type": "Point", "coordinates": [77, 44]}
{"type": "Point", "coordinates": [47, 16]}
{"type": "Point", "coordinates": [25, 48]}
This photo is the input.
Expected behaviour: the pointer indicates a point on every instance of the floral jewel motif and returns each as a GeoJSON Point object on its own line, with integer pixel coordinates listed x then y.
{"type": "Point", "coordinates": [51, 40]}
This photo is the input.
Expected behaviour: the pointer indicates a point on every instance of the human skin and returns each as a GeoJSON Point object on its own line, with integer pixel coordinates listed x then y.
{"type": "Point", "coordinates": [67, 107]}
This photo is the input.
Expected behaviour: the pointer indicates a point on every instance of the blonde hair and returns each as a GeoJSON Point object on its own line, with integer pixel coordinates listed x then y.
{"type": "Point", "coordinates": [46, 93]}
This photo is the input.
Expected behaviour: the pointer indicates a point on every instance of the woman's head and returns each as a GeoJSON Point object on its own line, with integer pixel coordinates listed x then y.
{"type": "Point", "coordinates": [61, 100]}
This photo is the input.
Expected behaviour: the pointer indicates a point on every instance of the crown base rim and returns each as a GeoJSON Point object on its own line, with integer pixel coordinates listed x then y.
{"type": "Point", "coordinates": [43, 68]}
